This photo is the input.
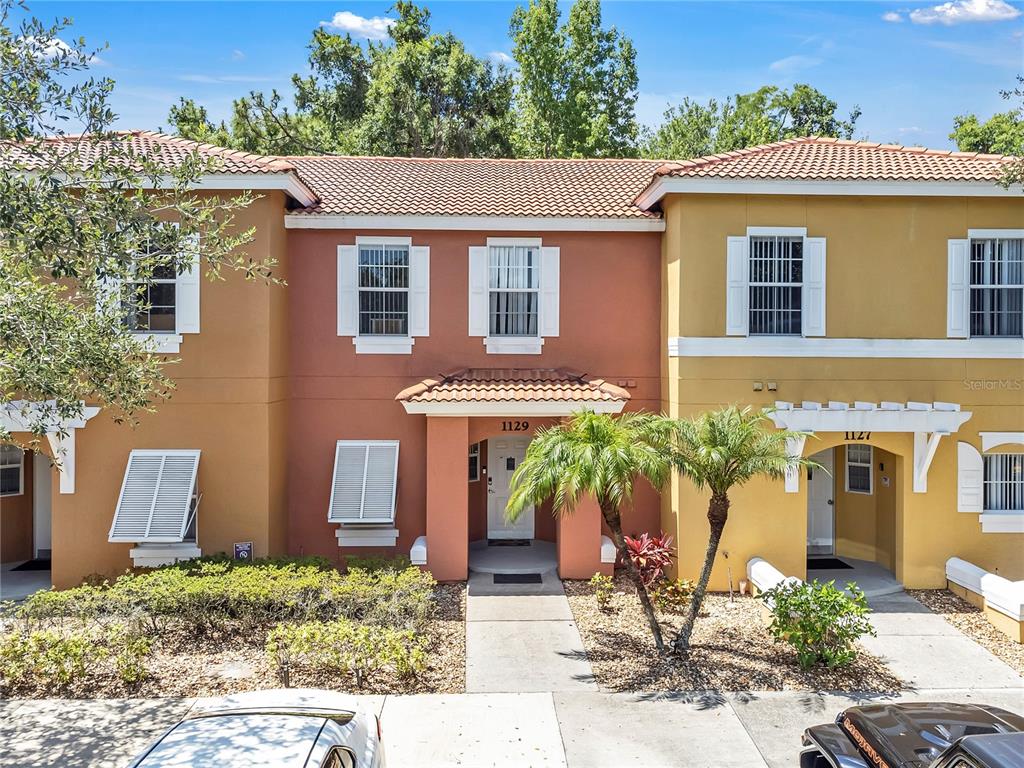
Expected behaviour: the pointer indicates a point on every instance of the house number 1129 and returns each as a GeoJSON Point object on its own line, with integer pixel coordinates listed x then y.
{"type": "Point", "coordinates": [515, 426]}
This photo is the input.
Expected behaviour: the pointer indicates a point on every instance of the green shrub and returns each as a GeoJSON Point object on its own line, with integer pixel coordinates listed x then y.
{"type": "Point", "coordinates": [604, 588]}
{"type": "Point", "coordinates": [672, 596]}
{"type": "Point", "coordinates": [361, 650]}
{"type": "Point", "coordinates": [378, 563]}
{"type": "Point", "coordinates": [820, 621]}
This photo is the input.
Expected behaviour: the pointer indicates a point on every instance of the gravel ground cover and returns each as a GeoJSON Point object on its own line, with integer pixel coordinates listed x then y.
{"type": "Point", "coordinates": [731, 650]}
{"type": "Point", "coordinates": [972, 622]}
{"type": "Point", "coordinates": [188, 666]}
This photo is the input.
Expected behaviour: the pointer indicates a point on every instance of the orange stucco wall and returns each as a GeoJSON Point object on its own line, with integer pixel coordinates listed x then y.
{"type": "Point", "coordinates": [230, 403]}
{"type": "Point", "coordinates": [609, 328]}
{"type": "Point", "coordinates": [16, 520]}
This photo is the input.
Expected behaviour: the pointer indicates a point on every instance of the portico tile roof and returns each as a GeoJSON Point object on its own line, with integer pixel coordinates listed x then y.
{"type": "Point", "coordinates": [826, 159]}
{"type": "Point", "coordinates": [502, 385]}
{"type": "Point", "coordinates": [416, 186]}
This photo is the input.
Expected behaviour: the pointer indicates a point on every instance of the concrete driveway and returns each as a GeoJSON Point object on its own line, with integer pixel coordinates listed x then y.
{"type": "Point", "coordinates": [570, 729]}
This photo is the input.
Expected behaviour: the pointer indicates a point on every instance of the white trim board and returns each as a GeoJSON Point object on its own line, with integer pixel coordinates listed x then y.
{"type": "Point", "coordinates": [286, 182]}
{"type": "Point", "coordinates": [796, 346]}
{"type": "Point", "coordinates": [475, 223]}
{"type": "Point", "coordinates": [990, 440]}
{"type": "Point", "coordinates": [705, 185]}
{"type": "Point", "coordinates": [513, 410]}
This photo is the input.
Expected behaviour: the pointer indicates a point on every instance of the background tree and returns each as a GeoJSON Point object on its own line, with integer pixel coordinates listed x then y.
{"type": "Point", "coordinates": [1001, 134]}
{"type": "Point", "coordinates": [419, 94]}
{"type": "Point", "coordinates": [761, 117]}
{"type": "Point", "coordinates": [576, 86]}
{"type": "Point", "coordinates": [603, 456]}
{"type": "Point", "coordinates": [718, 451]}
{"type": "Point", "coordinates": [76, 221]}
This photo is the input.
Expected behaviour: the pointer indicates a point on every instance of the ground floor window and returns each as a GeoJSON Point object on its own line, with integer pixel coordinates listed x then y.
{"type": "Point", "coordinates": [858, 468]}
{"type": "Point", "coordinates": [12, 470]}
{"type": "Point", "coordinates": [474, 462]}
{"type": "Point", "coordinates": [1004, 482]}
{"type": "Point", "coordinates": [365, 482]}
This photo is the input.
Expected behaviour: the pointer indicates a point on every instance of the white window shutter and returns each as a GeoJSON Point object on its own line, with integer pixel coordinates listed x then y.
{"type": "Point", "coordinates": [187, 284]}
{"type": "Point", "coordinates": [155, 503]}
{"type": "Point", "coordinates": [736, 292]}
{"type": "Point", "coordinates": [478, 290]}
{"type": "Point", "coordinates": [348, 290]}
{"type": "Point", "coordinates": [970, 472]}
{"type": "Point", "coordinates": [419, 290]}
{"type": "Point", "coordinates": [365, 482]}
{"type": "Point", "coordinates": [958, 304]}
{"type": "Point", "coordinates": [549, 290]}
{"type": "Point", "coordinates": [813, 294]}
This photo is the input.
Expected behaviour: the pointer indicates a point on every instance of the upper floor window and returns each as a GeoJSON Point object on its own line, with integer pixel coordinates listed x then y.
{"type": "Point", "coordinates": [383, 290]}
{"type": "Point", "coordinates": [776, 282]}
{"type": "Point", "coordinates": [997, 287]}
{"type": "Point", "coordinates": [1003, 482]}
{"type": "Point", "coordinates": [151, 306]}
{"type": "Point", "coordinates": [513, 282]}
{"type": "Point", "coordinates": [12, 470]}
{"type": "Point", "coordinates": [514, 289]}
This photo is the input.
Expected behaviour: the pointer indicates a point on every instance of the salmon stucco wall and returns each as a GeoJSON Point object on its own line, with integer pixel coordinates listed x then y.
{"type": "Point", "coordinates": [609, 320]}
{"type": "Point", "coordinates": [230, 402]}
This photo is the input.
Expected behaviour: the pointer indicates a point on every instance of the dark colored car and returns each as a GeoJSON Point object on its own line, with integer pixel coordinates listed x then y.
{"type": "Point", "coordinates": [924, 735]}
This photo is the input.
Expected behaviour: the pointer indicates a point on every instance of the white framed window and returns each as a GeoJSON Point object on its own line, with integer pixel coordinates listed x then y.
{"type": "Point", "coordinates": [158, 502]}
{"type": "Point", "coordinates": [365, 482]}
{"type": "Point", "coordinates": [775, 283]}
{"type": "Point", "coordinates": [997, 287]}
{"type": "Point", "coordinates": [514, 294]}
{"type": "Point", "coordinates": [859, 468]}
{"type": "Point", "coordinates": [1003, 484]}
{"type": "Point", "coordinates": [12, 470]}
{"type": "Point", "coordinates": [383, 294]}
{"type": "Point", "coordinates": [151, 306]}
{"type": "Point", "coordinates": [474, 462]}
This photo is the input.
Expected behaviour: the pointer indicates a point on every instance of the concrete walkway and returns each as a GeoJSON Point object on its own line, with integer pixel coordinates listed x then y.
{"type": "Point", "coordinates": [521, 638]}
{"type": "Point", "coordinates": [928, 652]}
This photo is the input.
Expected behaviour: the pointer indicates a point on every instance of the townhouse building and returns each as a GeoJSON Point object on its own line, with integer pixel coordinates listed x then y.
{"type": "Point", "coordinates": [438, 312]}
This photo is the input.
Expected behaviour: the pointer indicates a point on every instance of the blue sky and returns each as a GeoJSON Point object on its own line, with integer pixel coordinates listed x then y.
{"type": "Point", "coordinates": [911, 67]}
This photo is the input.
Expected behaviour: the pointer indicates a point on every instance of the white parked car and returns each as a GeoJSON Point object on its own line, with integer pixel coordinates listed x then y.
{"type": "Point", "coordinates": [293, 727]}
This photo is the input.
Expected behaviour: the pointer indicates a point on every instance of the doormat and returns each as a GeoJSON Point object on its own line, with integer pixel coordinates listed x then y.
{"type": "Point", "coordinates": [34, 565]}
{"type": "Point", "coordinates": [827, 564]}
{"type": "Point", "coordinates": [508, 542]}
{"type": "Point", "coordinates": [518, 578]}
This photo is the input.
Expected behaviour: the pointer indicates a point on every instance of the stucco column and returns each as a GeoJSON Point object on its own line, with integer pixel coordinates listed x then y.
{"type": "Point", "coordinates": [579, 542]}
{"type": "Point", "coordinates": [447, 497]}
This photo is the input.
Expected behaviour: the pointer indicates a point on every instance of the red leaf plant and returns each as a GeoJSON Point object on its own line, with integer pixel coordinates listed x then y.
{"type": "Point", "coordinates": [651, 555]}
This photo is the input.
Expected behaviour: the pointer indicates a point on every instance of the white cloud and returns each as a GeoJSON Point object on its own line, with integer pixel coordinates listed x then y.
{"type": "Point", "coordinates": [960, 11]}
{"type": "Point", "coordinates": [237, 55]}
{"type": "Point", "coordinates": [54, 47]}
{"type": "Point", "coordinates": [500, 57]}
{"type": "Point", "coordinates": [892, 17]}
{"type": "Point", "coordinates": [359, 26]}
{"type": "Point", "coordinates": [795, 63]}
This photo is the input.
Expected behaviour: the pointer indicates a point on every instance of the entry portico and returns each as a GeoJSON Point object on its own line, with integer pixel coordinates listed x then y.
{"type": "Point", "coordinates": [504, 408]}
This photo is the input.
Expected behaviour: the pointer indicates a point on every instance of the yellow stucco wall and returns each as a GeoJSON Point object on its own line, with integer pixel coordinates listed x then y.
{"type": "Point", "coordinates": [886, 278]}
{"type": "Point", "coordinates": [230, 403]}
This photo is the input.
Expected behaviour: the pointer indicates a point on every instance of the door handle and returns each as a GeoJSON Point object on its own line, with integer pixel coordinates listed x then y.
{"type": "Point", "coordinates": [830, 502]}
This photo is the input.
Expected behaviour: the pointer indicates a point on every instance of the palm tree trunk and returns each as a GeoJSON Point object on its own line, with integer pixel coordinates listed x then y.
{"type": "Point", "coordinates": [612, 517]}
{"type": "Point", "coordinates": [718, 514]}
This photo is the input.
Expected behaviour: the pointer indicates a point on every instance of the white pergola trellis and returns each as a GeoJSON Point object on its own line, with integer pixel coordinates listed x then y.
{"type": "Point", "coordinates": [25, 416]}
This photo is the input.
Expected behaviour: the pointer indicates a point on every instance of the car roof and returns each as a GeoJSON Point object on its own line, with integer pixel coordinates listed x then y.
{"type": "Point", "coordinates": [251, 740]}
{"type": "Point", "coordinates": [997, 750]}
{"type": "Point", "coordinates": [296, 700]}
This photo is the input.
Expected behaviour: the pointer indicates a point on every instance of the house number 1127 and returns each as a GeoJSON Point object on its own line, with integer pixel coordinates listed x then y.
{"type": "Point", "coordinates": [858, 436]}
{"type": "Point", "coordinates": [515, 426]}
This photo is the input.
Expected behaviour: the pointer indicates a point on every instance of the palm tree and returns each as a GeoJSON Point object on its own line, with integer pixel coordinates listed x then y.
{"type": "Point", "coordinates": [720, 450]}
{"type": "Point", "coordinates": [600, 455]}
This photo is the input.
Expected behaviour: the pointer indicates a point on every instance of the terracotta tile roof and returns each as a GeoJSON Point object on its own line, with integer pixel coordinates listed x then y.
{"type": "Point", "coordinates": [512, 385]}
{"type": "Point", "coordinates": [159, 147]}
{"type": "Point", "coordinates": [823, 159]}
{"type": "Point", "coordinates": [403, 186]}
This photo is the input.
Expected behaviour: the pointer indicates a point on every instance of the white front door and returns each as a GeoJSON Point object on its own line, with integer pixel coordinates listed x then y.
{"type": "Point", "coordinates": [42, 481]}
{"type": "Point", "coordinates": [504, 454]}
{"type": "Point", "coordinates": [820, 505]}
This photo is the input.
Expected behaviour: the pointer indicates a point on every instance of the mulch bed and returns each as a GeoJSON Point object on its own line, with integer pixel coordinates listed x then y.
{"type": "Point", "coordinates": [972, 622]}
{"type": "Point", "coordinates": [731, 650]}
{"type": "Point", "coordinates": [187, 666]}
